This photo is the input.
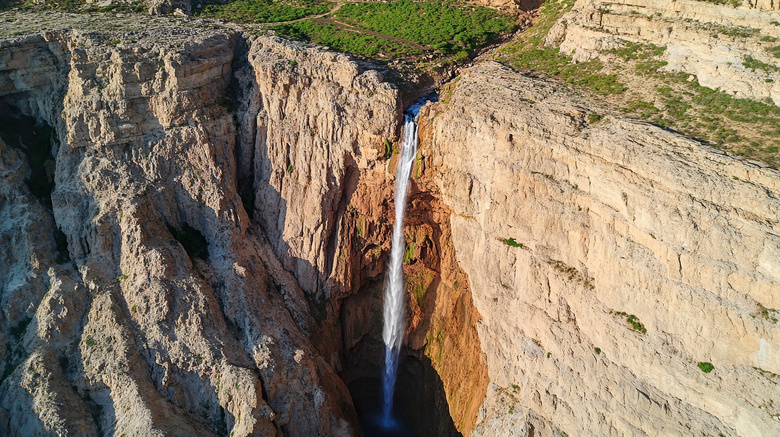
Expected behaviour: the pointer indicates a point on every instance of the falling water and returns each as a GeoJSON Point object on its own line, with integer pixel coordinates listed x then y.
{"type": "Point", "coordinates": [393, 332]}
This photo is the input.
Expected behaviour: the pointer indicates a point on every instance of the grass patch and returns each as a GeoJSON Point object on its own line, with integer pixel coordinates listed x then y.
{"type": "Point", "coordinates": [732, 3]}
{"type": "Point", "coordinates": [638, 51]}
{"type": "Point", "coordinates": [706, 367]}
{"type": "Point", "coordinates": [770, 314]}
{"type": "Point", "coordinates": [594, 118]}
{"type": "Point", "coordinates": [572, 274]}
{"type": "Point", "coordinates": [442, 26]}
{"type": "Point", "coordinates": [338, 38]}
{"type": "Point", "coordinates": [632, 320]}
{"type": "Point", "coordinates": [754, 64]}
{"type": "Point", "coordinates": [743, 127]}
{"type": "Point", "coordinates": [529, 53]}
{"type": "Point", "coordinates": [409, 254]}
{"type": "Point", "coordinates": [418, 286]}
{"type": "Point", "coordinates": [265, 11]}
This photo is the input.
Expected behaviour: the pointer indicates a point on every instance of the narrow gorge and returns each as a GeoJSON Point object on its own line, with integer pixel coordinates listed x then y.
{"type": "Point", "coordinates": [196, 222]}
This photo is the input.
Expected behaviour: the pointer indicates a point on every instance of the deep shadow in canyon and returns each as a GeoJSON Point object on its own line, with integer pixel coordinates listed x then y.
{"type": "Point", "coordinates": [420, 400]}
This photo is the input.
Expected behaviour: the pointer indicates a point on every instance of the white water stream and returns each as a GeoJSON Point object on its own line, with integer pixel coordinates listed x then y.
{"type": "Point", "coordinates": [394, 323]}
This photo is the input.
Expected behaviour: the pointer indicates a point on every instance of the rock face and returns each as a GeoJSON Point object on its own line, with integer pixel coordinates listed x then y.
{"type": "Point", "coordinates": [195, 221]}
{"type": "Point", "coordinates": [712, 42]}
{"type": "Point", "coordinates": [174, 316]}
{"type": "Point", "coordinates": [568, 229]}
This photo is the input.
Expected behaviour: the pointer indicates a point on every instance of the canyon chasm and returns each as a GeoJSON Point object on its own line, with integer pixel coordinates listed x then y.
{"type": "Point", "coordinates": [195, 225]}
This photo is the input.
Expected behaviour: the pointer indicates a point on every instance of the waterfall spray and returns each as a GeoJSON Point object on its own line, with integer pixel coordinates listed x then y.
{"type": "Point", "coordinates": [394, 327]}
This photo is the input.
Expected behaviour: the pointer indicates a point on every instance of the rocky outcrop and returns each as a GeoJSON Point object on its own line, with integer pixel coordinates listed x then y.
{"type": "Point", "coordinates": [174, 315]}
{"type": "Point", "coordinates": [607, 261]}
{"type": "Point", "coordinates": [712, 42]}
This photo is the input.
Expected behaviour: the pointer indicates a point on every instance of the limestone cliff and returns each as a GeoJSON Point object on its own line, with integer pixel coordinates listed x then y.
{"type": "Point", "coordinates": [607, 260]}
{"type": "Point", "coordinates": [710, 41]}
{"type": "Point", "coordinates": [167, 311]}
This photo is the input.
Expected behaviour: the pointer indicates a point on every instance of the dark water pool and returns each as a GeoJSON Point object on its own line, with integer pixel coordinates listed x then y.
{"type": "Point", "coordinates": [373, 424]}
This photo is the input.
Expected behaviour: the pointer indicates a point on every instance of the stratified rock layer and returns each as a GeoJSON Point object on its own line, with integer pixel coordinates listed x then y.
{"type": "Point", "coordinates": [567, 229]}
{"type": "Point", "coordinates": [714, 42]}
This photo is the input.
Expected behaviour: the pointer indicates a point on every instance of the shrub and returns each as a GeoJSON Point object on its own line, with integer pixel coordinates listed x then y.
{"type": "Point", "coordinates": [594, 118]}
{"type": "Point", "coordinates": [511, 242]}
{"type": "Point", "coordinates": [706, 367]}
{"type": "Point", "coordinates": [265, 11]}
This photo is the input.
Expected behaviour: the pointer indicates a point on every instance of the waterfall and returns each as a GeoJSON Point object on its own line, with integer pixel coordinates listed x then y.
{"type": "Point", "coordinates": [394, 323]}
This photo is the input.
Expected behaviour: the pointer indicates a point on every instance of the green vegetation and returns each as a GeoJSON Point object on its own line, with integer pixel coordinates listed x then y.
{"type": "Point", "coordinates": [435, 341]}
{"type": "Point", "coordinates": [192, 240]}
{"type": "Point", "coordinates": [706, 367]}
{"type": "Point", "coordinates": [529, 53]}
{"type": "Point", "coordinates": [633, 321]}
{"type": "Point", "coordinates": [572, 274]}
{"type": "Point", "coordinates": [122, 277]}
{"type": "Point", "coordinates": [265, 11]}
{"type": "Point", "coordinates": [409, 254]}
{"type": "Point", "coordinates": [339, 38]}
{"type": "Point", "coordinates": [134, 308]}
{"type": "Point", "coordinates": [584, 74]}
{"type": "Point", "coordinates": [594, 118]}
{"type": "Point", "coordinates": [597, 350]}
{"type": "Point", "coordinates": [448, 89]}
{"type": "Point", "coordinates": [675, 100]}
{"type": "Point", "coordinates": [733, 3]}
{"type": "Point", "coordinates": [637, 51]}
{"type": "Point", "coordinates": [754, 64]}
{"type": "Point", "coordinates": [404, 29]}
{"type": "Point", "coordinates": [419, 286]}
{"type": "Point", "coordinates": [770, 314]}
{"type": "Point", "coordinates": [511, 242]}
{"type": "Point", "coordinates": [442, 26]}
{"type": "Point", "coordinates": [388, 149]}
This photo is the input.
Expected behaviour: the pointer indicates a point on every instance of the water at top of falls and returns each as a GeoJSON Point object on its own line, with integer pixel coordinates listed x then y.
{"type": "Point", "coordinates": [394, 323]}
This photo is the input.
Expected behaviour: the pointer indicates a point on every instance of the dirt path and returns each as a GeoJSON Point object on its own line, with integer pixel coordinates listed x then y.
{"type": "Point", "coordinates": [351, 28]}
{"type": "Point", "coordinates": [338, 5]}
